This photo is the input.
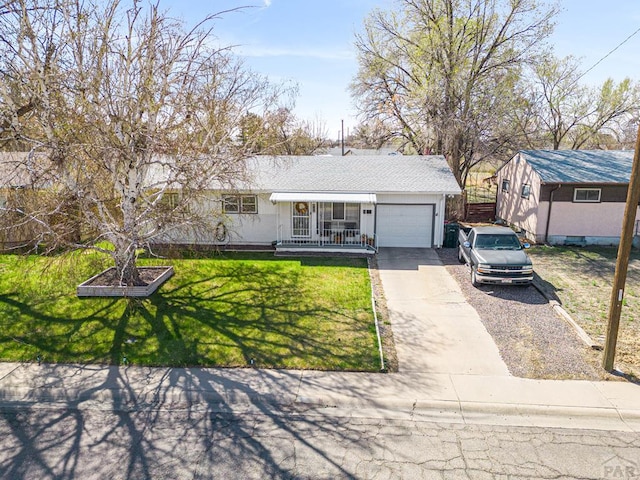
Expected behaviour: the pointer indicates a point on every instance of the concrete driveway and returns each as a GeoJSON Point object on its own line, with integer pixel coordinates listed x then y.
{"type": "Point", "coordinates": [435, 329]}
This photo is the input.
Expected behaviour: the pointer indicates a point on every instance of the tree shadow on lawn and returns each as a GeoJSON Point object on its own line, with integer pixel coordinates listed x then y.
{"type": "Point", "coordinates": [264, 318]}
{"type": "Point", "coordinates": [239, 315]}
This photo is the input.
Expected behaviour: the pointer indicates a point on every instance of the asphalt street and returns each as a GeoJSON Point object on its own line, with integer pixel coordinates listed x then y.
{"type": "Point", "coordinates": [207, 442]}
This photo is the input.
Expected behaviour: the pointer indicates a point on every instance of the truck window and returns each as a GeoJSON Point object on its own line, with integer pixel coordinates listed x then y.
{"type": "Point", "coordinates": [471, 236]}
{"type": "Point", "coordinates": [498, 242]}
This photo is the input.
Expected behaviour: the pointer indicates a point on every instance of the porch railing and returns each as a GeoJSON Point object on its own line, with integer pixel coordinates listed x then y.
{"type": "Point", "coordinates": [347, 237]}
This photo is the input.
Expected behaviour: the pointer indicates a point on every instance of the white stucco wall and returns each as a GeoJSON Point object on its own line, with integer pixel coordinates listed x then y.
{"type": "Point", "coordinates": [273, 221]}
{"type": "Point", "coordinates": [254, 229]}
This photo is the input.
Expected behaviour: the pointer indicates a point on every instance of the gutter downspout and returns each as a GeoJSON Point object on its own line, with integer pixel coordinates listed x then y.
{"type": "Point", "coordinates": [546, 231]}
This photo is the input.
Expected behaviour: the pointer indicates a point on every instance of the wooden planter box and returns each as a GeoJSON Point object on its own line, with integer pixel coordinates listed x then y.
{"type": "Point", "coordinates": [95, 288]}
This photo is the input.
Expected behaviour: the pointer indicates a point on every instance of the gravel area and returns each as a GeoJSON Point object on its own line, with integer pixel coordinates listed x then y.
{"type": "Point", "coordinates": [533, 340]}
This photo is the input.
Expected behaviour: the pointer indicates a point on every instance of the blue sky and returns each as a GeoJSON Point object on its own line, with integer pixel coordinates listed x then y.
{"type": "Point", "coordinates": [310, 42]}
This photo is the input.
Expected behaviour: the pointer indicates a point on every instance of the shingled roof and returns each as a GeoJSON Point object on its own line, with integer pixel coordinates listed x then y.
{"type": "Point", "coordinates": [379, 174]}
{"type": "Point", "coordinates": [581, 166]}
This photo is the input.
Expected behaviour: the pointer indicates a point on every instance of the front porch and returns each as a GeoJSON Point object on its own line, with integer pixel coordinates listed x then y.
{"type": "Point", "coordinates": [338, 240]}
{"type": "Point", "coordinates": [325, 222]}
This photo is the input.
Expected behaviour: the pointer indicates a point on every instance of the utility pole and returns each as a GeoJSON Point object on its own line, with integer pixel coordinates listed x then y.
{"type": "Point", "coordinates": [622, 263]}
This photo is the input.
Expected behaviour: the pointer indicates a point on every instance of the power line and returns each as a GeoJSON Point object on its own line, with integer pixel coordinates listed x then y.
{"type": "Point", "coordinates": [608, 54]}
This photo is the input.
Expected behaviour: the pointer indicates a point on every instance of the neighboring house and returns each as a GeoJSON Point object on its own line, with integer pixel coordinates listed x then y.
{"type": "Point", "coordinates": [357, 152]}
{"type": "Point", "coordinates": [354, 203]}
{"type": "Point", "coordinates": [566, 196]}
{"type": "Point", "coordinates": [18, 182]}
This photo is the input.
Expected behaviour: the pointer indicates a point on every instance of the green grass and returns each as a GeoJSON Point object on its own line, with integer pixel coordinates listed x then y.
{"type": "Point", "coordinates": [479, 191]}
{"type": "Point", "coordinates": [219, 311]}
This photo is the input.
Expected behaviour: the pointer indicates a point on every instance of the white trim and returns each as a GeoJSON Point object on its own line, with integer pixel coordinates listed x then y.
{"type": "Point", "coordinates": [583, 189]}
{"type": "Point", "coordinates": [323, 197]}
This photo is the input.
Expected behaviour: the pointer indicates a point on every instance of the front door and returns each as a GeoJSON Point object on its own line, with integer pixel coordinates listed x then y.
{"type": "Point", "coordinates": [301, 220]}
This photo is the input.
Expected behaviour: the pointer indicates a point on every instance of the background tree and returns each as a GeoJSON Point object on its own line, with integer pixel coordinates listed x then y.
{"type": "Point", "coordinates": [135, 118]}
{"type": "Point", "coordinates": [371, 134]}
{"type": "Point", "coordinates": [439, 72]}
{"type": "Point", "coordinates": [567, 114]}
{"type": "Point", "coordinates": [281, 133]}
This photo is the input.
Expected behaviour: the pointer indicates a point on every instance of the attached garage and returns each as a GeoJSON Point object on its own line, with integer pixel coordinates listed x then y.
{"type": "Point", "coordinates": [399, 225]}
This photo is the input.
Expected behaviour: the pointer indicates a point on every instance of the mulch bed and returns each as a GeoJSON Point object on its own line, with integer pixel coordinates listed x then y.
{"type": "Point", "coordinates": [108, 278]}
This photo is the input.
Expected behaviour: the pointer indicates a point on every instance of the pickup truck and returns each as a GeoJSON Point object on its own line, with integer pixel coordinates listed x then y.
{"type": "Point", "coordinates": [495, 256]}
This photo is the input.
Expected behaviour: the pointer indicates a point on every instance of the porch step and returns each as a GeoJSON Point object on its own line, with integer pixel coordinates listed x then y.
{"type": "Point", "coordinates": [292, 251]}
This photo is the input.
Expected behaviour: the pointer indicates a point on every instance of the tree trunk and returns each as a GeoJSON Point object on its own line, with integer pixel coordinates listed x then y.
{"type": "Point", "coordinates": [126, 268]}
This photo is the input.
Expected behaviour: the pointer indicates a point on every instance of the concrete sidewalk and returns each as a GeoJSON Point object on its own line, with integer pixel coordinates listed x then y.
{"type": "Point", "coordinates": [452, 398]}
{"type": "Point", "coordinates": [450, 371]}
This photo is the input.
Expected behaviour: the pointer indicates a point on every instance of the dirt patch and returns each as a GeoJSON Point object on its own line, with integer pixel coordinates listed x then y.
{"type": "Point", "coordinates": [108, 278]}
{"type": "Point", "coordinates": [107, 283]}
{"type": "Point", "coordinates": [581, 280]}
{"type": "Point", "coordinates": [386, 333]}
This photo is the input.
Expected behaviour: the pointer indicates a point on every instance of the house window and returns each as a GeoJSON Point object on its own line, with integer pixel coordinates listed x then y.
{"type": "Point", "coordinates": [170, 200]}
{"type": "Point", "coordinates": [249, 204]}
{"type": "Point", "coordinates": [231, 204]}
{"type": "Point", "coordinates": [587, 195]}
{"type": "Point", "coordinates": [505, 186]}
{"type": "Point", "coordinates": [526, 190]}
{"type": "Point", "coordinates": [337, 211]}
{"type": "Point", "coordinates": [240, 204]}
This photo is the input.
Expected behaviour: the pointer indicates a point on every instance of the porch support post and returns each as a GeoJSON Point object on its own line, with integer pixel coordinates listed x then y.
{"type": "Point", "coordinates": [278, 225]}
{"type": "Point", "coordinates": [320, 220]}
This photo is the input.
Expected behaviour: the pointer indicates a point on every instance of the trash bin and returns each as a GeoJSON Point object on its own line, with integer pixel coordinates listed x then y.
{"type": "Point", "coordinates": [451, 235]}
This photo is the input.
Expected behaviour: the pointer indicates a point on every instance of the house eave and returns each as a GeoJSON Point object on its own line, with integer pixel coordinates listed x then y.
{"type": "Point", "coordinates": [347, 197]}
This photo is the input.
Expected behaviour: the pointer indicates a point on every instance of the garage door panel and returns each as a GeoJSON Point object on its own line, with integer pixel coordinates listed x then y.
{"type": "Point", "coordinates": [404, 225]}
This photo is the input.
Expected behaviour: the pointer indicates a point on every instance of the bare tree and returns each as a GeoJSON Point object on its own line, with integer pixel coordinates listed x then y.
{"type": "Point", "coordinates": [282, 133]}
{"type": "Point", "coordinates": [565, 113]}
{"type": "Point", "coordinates": [439, 72]}
{"type": "Point", "coordinates": [135, 116]}
{"type": "Point", "coordinates": [371, 134]}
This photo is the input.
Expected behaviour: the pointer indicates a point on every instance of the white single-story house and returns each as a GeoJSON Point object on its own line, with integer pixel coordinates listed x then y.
{"type": "Point", "coordinates": [566, 196]}
{"type": "Point", "coordinates": [342, 203]}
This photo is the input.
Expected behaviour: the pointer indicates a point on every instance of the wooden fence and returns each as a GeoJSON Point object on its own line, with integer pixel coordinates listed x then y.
{"type": "Point", "coordinates": [480, 212]}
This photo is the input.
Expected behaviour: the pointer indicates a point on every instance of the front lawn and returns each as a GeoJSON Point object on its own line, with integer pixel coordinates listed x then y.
{"type": "Point", "coordinates": [582, 279]}
{"type": "Point", "coordinates": [228, 310]}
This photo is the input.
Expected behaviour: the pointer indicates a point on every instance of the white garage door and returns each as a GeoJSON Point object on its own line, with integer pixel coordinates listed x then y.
{"type": "Point", "coordinates": [404, 225]}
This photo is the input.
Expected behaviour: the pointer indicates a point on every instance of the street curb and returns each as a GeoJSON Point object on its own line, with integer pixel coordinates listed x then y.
{"type": "Point", "coordinates": [416, 409]}
{"type": "Point", "coordinates": [584, 336]}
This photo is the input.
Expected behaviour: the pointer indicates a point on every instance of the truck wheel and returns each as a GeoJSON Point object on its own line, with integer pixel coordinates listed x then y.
{"type": "Point", "coordinates": [460, 256]}
{"type": "Point", "coordinates": [474, 278]}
